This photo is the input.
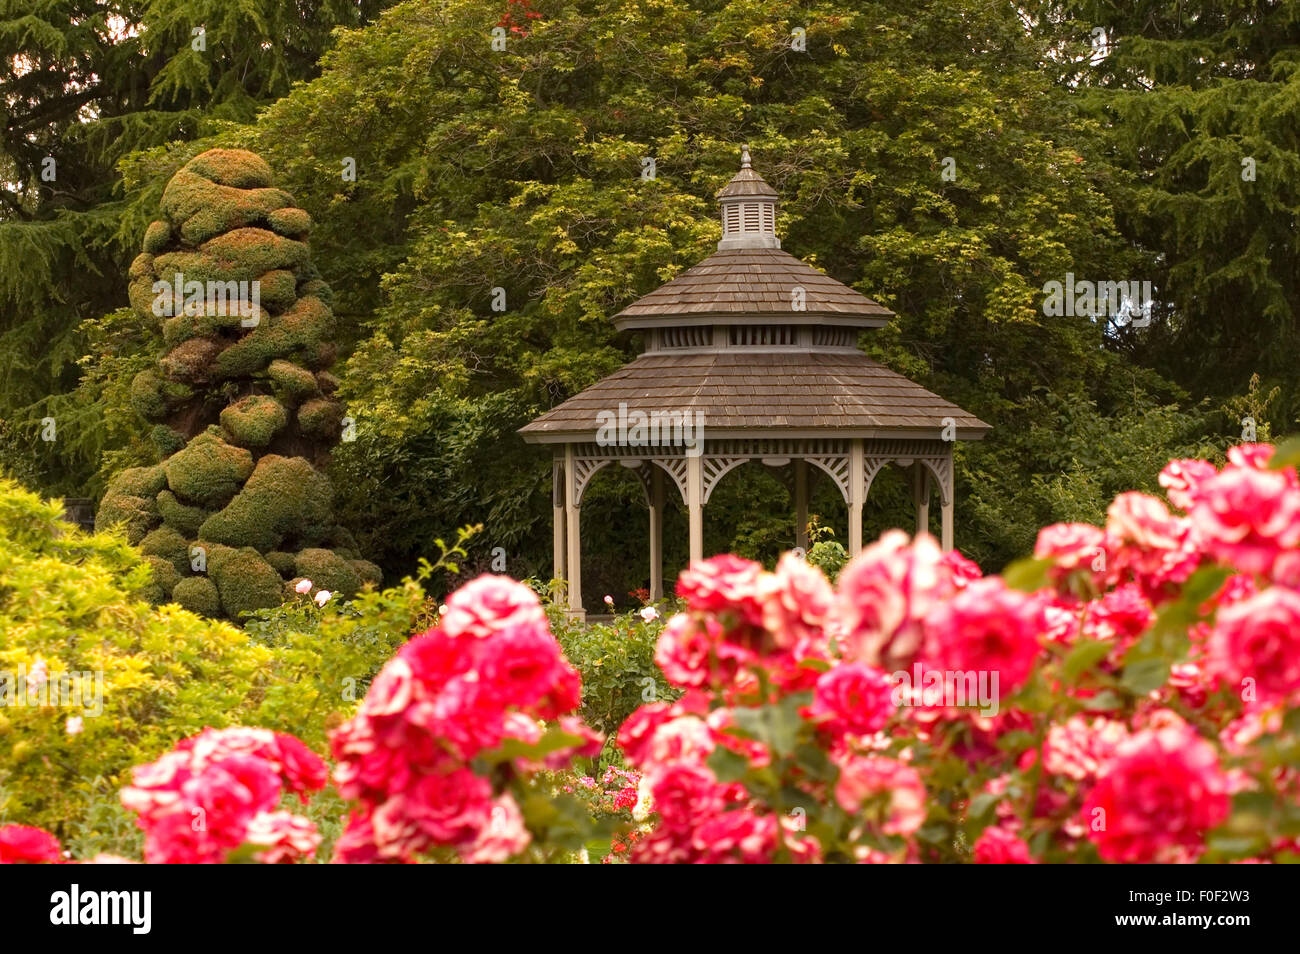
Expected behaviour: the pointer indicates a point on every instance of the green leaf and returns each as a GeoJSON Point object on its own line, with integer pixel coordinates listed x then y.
{"type": "Point", "coordinates": [1083, 657]}
{"type": "Point", "coordinates": [1028, 575]}
{"type": "Point", "coordinates": [727, 765]}
{"type": "Point", "coordinates": [1144, 676]}
{"type": "Point", "coordinates": [1286, 454]}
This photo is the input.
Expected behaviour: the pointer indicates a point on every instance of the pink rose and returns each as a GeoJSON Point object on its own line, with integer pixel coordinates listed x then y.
{"type": "Point", "coordinates": [1157, 798]}
{"type": "Point", "coordinates": [853, 697]}
{"type": "Point", "coordinates": [723, 585]}
{"type": "Point", "coordinates": [21, 844]}
{"type": "Point", "coordinates": [998, 846]}
{"type": "Point", "coordinates": [1258, 638]}
{"type": "Point", "coordinates": [490, 603]}
{"type": "Point", "coordinates": [862, 778]}
{"type": "Point", "coordinates": [883, 595]}
{"type": "Point", "coordinates": [986, 627]}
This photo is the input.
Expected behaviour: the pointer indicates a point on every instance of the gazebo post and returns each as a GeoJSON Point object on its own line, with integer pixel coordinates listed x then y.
{"type": "Point", "coordinates": [801, 504]}
{"type": "Point", "coordinates": [946, 510]}
{"type": "Point", "coordinates": [656, 532]}
{"type": "Point", "coordinates": [857, 490]}
{"type": "Point", "coordinates": [574, 536]}
{"type": "Point", "coordinates": [558, 516]}
{"type": "Point", "coordinates": [921, 495]}
{"type": "Point", "coordinates": [695, 504]}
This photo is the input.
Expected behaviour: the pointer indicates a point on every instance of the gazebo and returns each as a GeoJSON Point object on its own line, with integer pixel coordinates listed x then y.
{"type": "Point", "coordinates": [751, 355]}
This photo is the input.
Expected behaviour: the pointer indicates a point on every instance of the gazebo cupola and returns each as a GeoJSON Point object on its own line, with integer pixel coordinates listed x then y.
{"type": "Point", "coordinates": [750, 356]}
{"type": "Point", "coordinates": [748, 210]}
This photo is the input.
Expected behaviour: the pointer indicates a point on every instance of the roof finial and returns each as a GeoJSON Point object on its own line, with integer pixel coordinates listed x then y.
{"type": "Point", "coordinates": [744, 156]}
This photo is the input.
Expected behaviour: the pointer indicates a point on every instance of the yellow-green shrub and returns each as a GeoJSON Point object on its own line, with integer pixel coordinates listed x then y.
{"type": "Point", "coordinates": [74, 601]}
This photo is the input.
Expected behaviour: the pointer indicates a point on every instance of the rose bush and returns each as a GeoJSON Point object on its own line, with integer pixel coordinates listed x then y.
{"type": "Point", "coordinates": [1131, 693]}
{"type": "Point", "coordinates": [1142, 685]}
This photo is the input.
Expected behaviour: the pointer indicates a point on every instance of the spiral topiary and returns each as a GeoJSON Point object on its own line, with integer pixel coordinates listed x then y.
{"type": "Point", "coordinates": [240, 401]}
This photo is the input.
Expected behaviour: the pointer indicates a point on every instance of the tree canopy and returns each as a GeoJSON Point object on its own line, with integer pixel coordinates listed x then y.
{"type": "Point", "coordinates": [945, 158]}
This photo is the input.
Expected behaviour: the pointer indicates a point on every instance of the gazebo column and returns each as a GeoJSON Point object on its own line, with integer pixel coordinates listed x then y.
{"type": "Point", "coordinates": [857, 491]}
{"type": "Point", "coordinates": [801, 504]}
{"type": "Point", "coordinates": [949, 495]}
{"type": "Point", "coordinates": [921, 496]}
{"type": "Point", "coordinates": [558, 516]}
{"type": "Point", "coordinates": [695, 504]}
{"type": "Point", "coordinates": [574, 536]}
{"type": "Point", "coordinates": [656, 532]}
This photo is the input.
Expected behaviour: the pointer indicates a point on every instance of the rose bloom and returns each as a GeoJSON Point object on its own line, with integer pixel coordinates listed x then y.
{"type": "Point", "coordinates": [685, 649]}
{"type": "Point", "coordinates": [1258, 638]}
{"type": "Point", "coordinates": [1156, 799]}
{"type": "Point", "coordinates": [998, 846]}
{"type": "Point", "coordinates": [882, 596]}
{"type": "Point", "coordinates": [1075, 547]}
{"type": "Point", "coordinates": [986, 627]}
{"type": "Point", "coordinates": [1078, 749]}
{"type": "Point", "coordinates": [685, 794]}
{"type": "Point", "coordinates": [795, 601]}
{"type": "Point", "coordinates": [1153, 546]}
{"type": "Point", "coordinates": [503, 837]}
{"type": "Point", "coordinates": [862, 777]}
{"type": "Point", "coordinates": [489, 603]}
{"type": "Point", "coordinates": [231, 792]}
{"type": "Point", "coordinates": [853, 697]}
{"type": "Point", "coordinates": [282, 836]}
{"type": "Point", "coordinates": [22, 844]}
{"type": "Point", "coordinates": [1245, 516]}
{"type": "Point", "coordinates": [1182, 480]}
{"type": "Point", "coordinates": [723, 584]}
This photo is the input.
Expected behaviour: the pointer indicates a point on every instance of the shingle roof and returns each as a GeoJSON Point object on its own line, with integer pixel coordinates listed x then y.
{"type": "Point", "coordinates": [754, 282]}
{"type": "Point", "coordinates": [746, 182]}
{"type": "Point", "coordinates": [761, 391]}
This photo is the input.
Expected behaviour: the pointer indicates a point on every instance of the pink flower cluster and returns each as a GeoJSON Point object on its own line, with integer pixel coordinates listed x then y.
{"type": "Point", "coordinates": [700, 820]}
{"type": "Point", "coordinates": [24, 845]}
{"type": "Point", "coordinates": [489, 672]}
{"type": "Point", "coordinates": [222, 789]}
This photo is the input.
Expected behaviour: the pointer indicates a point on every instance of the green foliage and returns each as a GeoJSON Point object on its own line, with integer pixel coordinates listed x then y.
{"type": "Point", "coordinates": [72, 601]}
{"type": "Point", "coordinates": [284, 495]}
{"type": "Point", "coordinates": [208, 471]}
{"type": "Point", "coordinates": [1197, 105]}
{"type": "Point", "coordinates": [94, 88]}
{"type": "Point", "coordinates": [1068, 462]}
{"type": "Point", "coordinates": [245, 581]}
{"type": "Point", "coordinates": [253, 420]}
{"type": "Point", "coordinates": [461, 188]}
{"type": "Point", "coordinates": [327, 570]}
{"type": "Point", "coordinates": [616, 660]}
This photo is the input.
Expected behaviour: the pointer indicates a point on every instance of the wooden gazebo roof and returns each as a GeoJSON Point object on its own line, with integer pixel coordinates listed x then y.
{"type": "Point", "coordinates": [752, 283]}
{"type": "Point", "coordinates": [844, 392]}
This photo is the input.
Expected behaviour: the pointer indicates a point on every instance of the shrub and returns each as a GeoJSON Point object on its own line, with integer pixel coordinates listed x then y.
{"type": "Point", "coordinates": [239, 465]}
{"type": "Point", "coordinates": [244, 580]}
{"type": "Point", "coordinates": [198, 594]}
{"type": "Point", "coordinates": [75, 602]}
{"type": "Point", "coordinates": [284, 495]}
{"type": "Point", "coordinates": [208, 471]}
{"type": "Point", "coordinates": [253, 420]}
{"type": "Point", "coordinates": [618, 667]}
